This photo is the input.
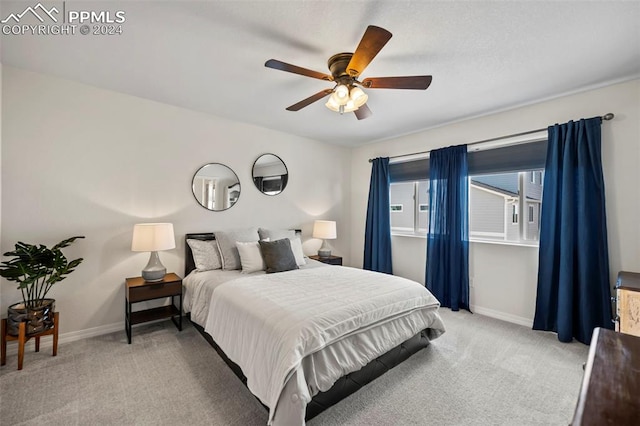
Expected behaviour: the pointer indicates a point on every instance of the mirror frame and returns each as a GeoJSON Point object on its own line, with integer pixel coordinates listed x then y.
{"type": "Point", "coordinates": [193, 189]}
{"type": "Point", "coordinates": [284, 186]}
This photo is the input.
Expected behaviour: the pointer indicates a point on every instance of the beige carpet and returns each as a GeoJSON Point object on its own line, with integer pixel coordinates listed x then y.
{"type": "Point", "coordinates": [480, 372]}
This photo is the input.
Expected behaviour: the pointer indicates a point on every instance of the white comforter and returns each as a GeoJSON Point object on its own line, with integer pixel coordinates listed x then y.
{"type": "Point", "coordinates": [200, 285]}
{"type": "Point", "coordinates": [269, 324]}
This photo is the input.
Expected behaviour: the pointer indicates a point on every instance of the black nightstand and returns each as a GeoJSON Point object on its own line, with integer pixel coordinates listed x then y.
{"type": "Point", "coordinates": [331, 260]}
{"type": "Point", "coordinates": [139, 290]}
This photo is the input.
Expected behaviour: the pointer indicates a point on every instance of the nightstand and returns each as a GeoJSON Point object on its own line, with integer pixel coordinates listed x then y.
{"type": "Point", "coordinates": [139, 290]}
{"type": "Point", "coordinates": [628, 303]}
{"type": "Point", "coordinates": [331, 260]}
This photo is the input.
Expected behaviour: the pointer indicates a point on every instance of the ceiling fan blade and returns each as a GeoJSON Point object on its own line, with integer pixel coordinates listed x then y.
{"type": "Point", "coordinates": [372, 42]}
{"type": "Point", "coordinates": [362, 112]}
{"type": "Point", "coordinates": [311, 99]}
{"type": "Point", "coordinates": [419, 82]}
{"type": "Point", "coordinates": [283, 66]}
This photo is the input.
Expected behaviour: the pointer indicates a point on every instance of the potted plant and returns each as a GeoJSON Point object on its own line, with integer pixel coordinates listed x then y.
{"type": "Point", "coordinates": [36, 269]}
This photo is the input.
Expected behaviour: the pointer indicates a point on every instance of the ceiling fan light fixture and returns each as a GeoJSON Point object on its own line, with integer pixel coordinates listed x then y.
{"type": "Point", "coordinates": [358, 96]}
{"type": "Point", "coordinates": [333, 103]}
{"type": "Point", "coordinates": [350, 106]}
{"type": "Point", "coordinates": [342, 93]}
{"type": "Point", "coordinates": [336, 99]}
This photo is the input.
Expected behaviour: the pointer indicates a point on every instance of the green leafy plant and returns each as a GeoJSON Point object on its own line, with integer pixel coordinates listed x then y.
{"type": "Point", "coordinates": [37, 268]}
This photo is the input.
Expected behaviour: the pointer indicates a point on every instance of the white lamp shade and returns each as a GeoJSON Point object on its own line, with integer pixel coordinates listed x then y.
{"type": "Point", "coordinates": [358, 97]}
{"type": "Point", "coordinates": [333, 103]}
{"type": "Point", "coordinates": [350, 106]}
{"type": "Point", "coordinates": [342, 94]}
{"type": "Point", "coordinates": [324, 229]}
{"type": "Point", "coordinates": [153, 237]}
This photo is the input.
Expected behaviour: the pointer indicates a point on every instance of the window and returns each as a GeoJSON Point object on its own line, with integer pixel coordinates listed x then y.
{"type": "Point", "coordinates": [496, 204]}
{"type": "Point", "coordinates": [531, 217]}
{"type": "Point", "coordinates": [498, 201]}
{"type": "Point", "coordinates": [414, 219]}
{"type": "Point", "coordinates": [505, 192]}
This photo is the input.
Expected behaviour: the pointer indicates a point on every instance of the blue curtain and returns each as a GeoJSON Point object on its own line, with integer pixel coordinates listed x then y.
{"type": "Point", "coordinates": [447, 271]}
{"type": "Point", "coordinates": [573, 272]}
{"type": "Point", "coordinates": [377, 236]}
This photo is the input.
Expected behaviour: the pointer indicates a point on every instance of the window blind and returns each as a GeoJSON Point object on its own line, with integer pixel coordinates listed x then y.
{"type": "Point", "coordinates": [512, 158]}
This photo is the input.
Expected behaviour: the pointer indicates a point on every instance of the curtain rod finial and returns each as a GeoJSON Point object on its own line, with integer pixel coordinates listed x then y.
{"type": "Point", "coordinates": [608, 116]}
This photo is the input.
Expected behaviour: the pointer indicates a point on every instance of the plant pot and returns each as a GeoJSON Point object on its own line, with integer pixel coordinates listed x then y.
{"type": "Point", "coordinates": [37, 319]}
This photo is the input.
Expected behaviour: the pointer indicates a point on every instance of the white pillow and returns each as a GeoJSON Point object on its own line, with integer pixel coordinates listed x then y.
{"type": "Point", "coordinates": [227, 245]}
{"type": "Point", "coordinates": [296, 248]}
{"type": "Point", "coordinates": [250, 257]}
{"type": "Point", "coordinates": [205, 254]}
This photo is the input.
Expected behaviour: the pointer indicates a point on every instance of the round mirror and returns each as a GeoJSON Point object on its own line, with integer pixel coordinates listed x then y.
{"type": "Point", "coordinates": [216, 187]}
{"type": "Point", "coordinates": [270, 175]}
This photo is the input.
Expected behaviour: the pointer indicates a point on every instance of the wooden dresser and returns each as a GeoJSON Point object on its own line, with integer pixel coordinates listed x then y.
{"type": "Point", "coordinates": [628, 303]}
{"type": "Point", "coordinates": [611, 383]}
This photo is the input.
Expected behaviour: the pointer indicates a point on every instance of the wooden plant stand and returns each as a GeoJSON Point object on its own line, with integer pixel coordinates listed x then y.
{"type": "Point", "coordinates": [22, 338]}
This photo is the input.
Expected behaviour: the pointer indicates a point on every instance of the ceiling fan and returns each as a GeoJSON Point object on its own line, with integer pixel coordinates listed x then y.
{"type": "Point", "coordinates": [347, 95]}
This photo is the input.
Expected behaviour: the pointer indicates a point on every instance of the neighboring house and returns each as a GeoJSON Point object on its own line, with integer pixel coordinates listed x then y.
{"type": "Point", "coordinates": [499, 212]}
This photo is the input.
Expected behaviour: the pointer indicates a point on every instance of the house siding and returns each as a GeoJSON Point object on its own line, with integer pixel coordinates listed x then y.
{"type": "Point", "coordinates": [484, 218]}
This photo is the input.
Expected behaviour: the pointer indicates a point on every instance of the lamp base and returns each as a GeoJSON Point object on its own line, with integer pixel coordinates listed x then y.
{"type": "Point", "coordinates": [325, 249]}
{"type": "Point", "coordinates": [324, 253]}
{"type": "Point", "coordinates": [155, 270]}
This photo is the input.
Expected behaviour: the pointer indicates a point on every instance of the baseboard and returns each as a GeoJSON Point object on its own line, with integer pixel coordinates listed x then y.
{"type": "Point", "coordinates": [502, 316]}
{"type": "Point", "coordinates": [72, 336]}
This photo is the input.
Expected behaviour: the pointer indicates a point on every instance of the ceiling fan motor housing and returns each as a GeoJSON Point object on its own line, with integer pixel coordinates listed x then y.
{"type": "Point", "coordinates": [338, 65]}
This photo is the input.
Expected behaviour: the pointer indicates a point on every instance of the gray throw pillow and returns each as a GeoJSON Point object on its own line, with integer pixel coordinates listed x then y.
{"type": "Point", "coordinates": [227, 245]}
{"type": "Point", "coordinates": [278, 256]}
{"type": "Point", "coordinates": [276, 234]}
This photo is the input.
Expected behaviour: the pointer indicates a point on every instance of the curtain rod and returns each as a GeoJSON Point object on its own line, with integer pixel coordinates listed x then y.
{"type": "Point", "coordinates": [608, 116]}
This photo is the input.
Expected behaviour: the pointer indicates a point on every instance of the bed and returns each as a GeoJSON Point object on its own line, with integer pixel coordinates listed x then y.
{"type": "Point", "coordinates": [303, 340]}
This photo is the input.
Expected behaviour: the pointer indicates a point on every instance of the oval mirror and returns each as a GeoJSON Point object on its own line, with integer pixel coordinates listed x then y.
{"type": "Point", "coordinates": [216, 187]}
{"type": "Point", "coordinates": [270, 174]}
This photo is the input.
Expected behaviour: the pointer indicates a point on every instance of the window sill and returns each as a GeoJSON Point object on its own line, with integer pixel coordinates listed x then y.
{"type": "Point", "coordinates": [398, 234]}
{"type": "Point", "coordinates": [503, 243]}
{"type": "Point", "coordinates": [507, 243]}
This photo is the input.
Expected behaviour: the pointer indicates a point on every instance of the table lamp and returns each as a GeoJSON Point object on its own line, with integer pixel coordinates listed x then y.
{"type": "Point", "coordinates": [326, 230]}
{"type": "Point", "coordinates": [153, 237]}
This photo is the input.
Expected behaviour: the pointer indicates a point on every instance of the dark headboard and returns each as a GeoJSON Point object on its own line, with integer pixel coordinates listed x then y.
{"type": "Point", "coordinates": [189, 264]}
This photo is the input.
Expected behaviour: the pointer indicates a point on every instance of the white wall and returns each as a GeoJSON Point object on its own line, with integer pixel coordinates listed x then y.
{"type": "Point", "coordinates": [77, 160]}
{"type": "Point", "coordinates": [504, 277]}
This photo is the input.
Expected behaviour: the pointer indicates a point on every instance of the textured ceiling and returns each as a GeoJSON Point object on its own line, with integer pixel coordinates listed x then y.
{"type": "Point", "coordinates": [484, 56]}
